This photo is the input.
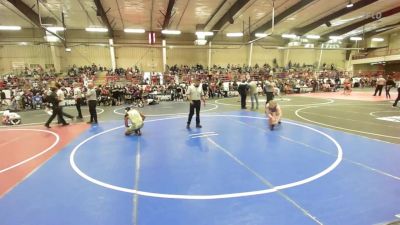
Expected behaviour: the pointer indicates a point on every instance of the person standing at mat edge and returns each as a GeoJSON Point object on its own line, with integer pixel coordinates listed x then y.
{"type": "Point", "coordinates": [91, 97]}
{"type": "Point", "coordinates": [61, 99]}
{"type": "Point", "coordinates": [269, 89]}
{"type": "Point", "coordinates": [253, 94]}
{"type": "Point", "coordinates": [195, 94]}
{"type": "Point", "coordinates": [398, 95]}
{"type": "Point", "coordinates": [379, 85]}
{"type": "Point", "coordinates": [54, 101]}
{"type": "Point", "coordinates": [78, 99]}
{"type": "Point", "coordinates": [243, 89]}
{"type": "Point", "coordinates": [389, 84]}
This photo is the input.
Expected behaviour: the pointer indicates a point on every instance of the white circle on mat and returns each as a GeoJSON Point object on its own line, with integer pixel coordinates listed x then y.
{"type": "Point", "coordinates": [37, 155]}
{"type": "Point", "coordinates": [208, 197]}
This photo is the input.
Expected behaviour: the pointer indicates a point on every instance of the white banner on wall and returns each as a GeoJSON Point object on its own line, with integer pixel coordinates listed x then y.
{"type": "Point", "coordinates": [18, 65]}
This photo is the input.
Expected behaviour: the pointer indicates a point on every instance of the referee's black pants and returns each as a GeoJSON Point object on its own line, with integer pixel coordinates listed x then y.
{"type": "Point", "coordinates": [78, 107]}
{"type": "Point", "coordinates": [196, 105]}
{"type": "Point", "coordinates": [92, 110]}
{"type": "Point", "coordinates": [398, 97]}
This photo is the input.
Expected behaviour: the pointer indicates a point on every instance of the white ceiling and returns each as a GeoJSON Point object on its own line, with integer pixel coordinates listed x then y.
{"type": "Point", "coordinates": [148, 14]}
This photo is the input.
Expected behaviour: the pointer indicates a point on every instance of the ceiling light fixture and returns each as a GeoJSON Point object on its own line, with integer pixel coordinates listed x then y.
{"type": "Point", "coordinates": [174, 32]}
{"type": "Point", "coordinates": [55, 29]}
{"type": "Point", "coordinates": [96, 29]}
{"type": "Point", "coordinates": [292, 36]}
{"type": "Point", "coordinates": [51, 38]}
{"type": "Point", "coordinates": [200, 42]}
{"type": "Point", "coordinates": [294, 43]}
{"type": "Point", "coordinates": [237, 34]}
{"type": "Point", "coordinates": [10, 28]}
{"type": "Point", "coordinates": [350, 4]}
{"type": "Point", "coordinates": [136, 31]}
{"type": "Point", "coordinates": [261, 35]}
{"type": "Point", "coordinates": [356, 38]}
{"type": "Point", "coordinates": [204, 33]}
{"type": "Point", "coordinates": [377, 39]}
{"type": "Point", "coordinates": [335, 37]}
{"type": "Point", "coordinates": [313, 36]}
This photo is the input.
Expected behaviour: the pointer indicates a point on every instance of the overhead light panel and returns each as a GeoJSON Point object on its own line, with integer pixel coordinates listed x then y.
{"type": "Point", "coordinates": [377, 39]}
{"type": "Point", "coordinates": [356, 38]}
{"type": "Point", "coordinates": [55, 29]}
{"type": "Point", "coordinates": [292, 36]}
{"type": "Point", "coordinates": [236, 34]}
{"type": "Point", "coordinates": [204, 33]}
{"type": "Point", "coordinates": [200, 42]}
{"type": "Point", "coordinates": [304, 40]}
{"type": "Point", "coordinates": [260, 35]}
{"type": "Point", "coordinates": [51, 38]}
{"type": "Point", "coordinates": [174, 32]}
{"type": "Point", "coordinates": [10, 28]}
{"type": "Point", "coordinates": [136, 31]}
{"type": "Point", "coordinates": [313, 36]}
{"type": "Point", "coordinates": [294, 43]}
{"type": "Point", "coordinates": [350, 4]}
{"type": "Point", "coordinates": [68, 49]}
{"type": "Point", "coordinates": [335, 37]}
{"type": "Point", "coordinates": [96, 29]}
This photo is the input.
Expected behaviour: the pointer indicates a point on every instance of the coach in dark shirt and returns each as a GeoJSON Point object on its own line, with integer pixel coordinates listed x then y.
{"type": "Point", "coordinates": [54, 102]}
{"type": "Point", "coordinates": [242, 89]}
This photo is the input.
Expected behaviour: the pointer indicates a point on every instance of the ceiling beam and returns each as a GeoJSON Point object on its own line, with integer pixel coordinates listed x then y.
{"type": "Point", "coordinates": [215, 12]}
{"type": "Point", "coordinates": [266, 26]}
{"type": "Point", "coordinates": [27, 11]}
{"type": "Point", "coordinates": [103, 15]}
{"type": "Point", "coordinates": [228, 16]}
{"type": "Point", "coordinates": [167, 16]}
{"type": "Point", "coordinates": [358, 5]}
{"type": "Point", "coordinates": [33, 17]}
{"type": "Point", "coordinates": [50, 11]}
{"type": "Point", "coordinates": [379, 30]}
{"type": "Point", "coordinates": [12, 9]}
{"type": "Point", "coordinates": [361, 23]}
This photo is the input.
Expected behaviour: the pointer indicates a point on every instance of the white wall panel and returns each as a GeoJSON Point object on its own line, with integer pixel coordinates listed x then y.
{"type": "Point", "coordinates": [395, 42]}
{"type": "Point", "coordinates": [262, 55]}
{"type": "Point", "coordinates": [147, 59]}
{"type": "Point", "coordinates": [14, 54]}
{"type": "Point", "coordinates": [365, 67]}
{"type": "Point", "coordinates": [336, 57]}
{"type": "Point", "coordinates": [86, 55]}
{"type": "Point", "coordinates": [182, 56]}
{"type": "Point", "coordinates": [303, 56]}
{"type": "Point", "coordinates": [235, 55]}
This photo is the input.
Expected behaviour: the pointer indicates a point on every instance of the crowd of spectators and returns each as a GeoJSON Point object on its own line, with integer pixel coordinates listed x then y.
{"type": "Point", "coordinates": [27, 91]}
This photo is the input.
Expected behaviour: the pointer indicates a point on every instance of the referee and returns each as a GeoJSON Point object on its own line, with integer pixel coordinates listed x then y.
{"type": "Point", "coordinates": [92, 102]}
{"type": "Point", "coordinates": [78, 99]}
{"type": "Point", "coordinates": [195, 94]}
